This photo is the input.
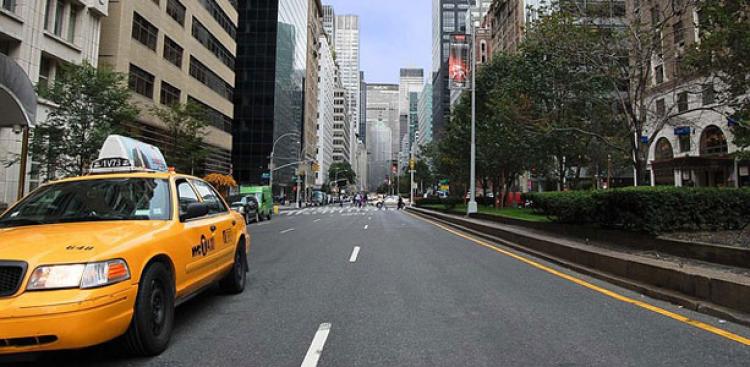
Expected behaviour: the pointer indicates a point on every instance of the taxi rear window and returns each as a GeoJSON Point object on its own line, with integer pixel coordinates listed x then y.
{"type": "Point", "coordinates": [93, 200]}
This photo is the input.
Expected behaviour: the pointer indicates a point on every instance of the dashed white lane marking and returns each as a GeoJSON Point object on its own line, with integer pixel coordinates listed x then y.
{"type": "Point", "coordinates": [316, 348]}
{"type": "Point", "coordinates": [355, 253]}
{"type": "Point", "coordinates": [366, 226]}
{"type": "Point", "coordinates": [287, 230]}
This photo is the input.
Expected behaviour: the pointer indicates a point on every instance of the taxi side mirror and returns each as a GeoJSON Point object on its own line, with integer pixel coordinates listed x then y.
{"type": "Point", "coordinates": [195, 210]}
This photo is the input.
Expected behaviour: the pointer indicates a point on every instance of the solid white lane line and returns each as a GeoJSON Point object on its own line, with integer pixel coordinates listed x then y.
{"type": "Point", "coordinates": [366, 226]}
{"type": "Point", "coordinates": [355, 253]}
{"type": "Point", "coordinates": [316, 348]}
{"type": "Point", "coordinates": [287, 230]}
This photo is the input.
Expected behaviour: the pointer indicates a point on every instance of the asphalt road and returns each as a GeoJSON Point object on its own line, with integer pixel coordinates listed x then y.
{"type": "Point", "coordinates": [416, 295]}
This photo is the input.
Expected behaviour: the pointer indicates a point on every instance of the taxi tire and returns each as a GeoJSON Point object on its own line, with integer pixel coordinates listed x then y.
{"type": "Point", "coordinates": [155, 289]}
{"type": "Point", "coordinates": [234, 282]}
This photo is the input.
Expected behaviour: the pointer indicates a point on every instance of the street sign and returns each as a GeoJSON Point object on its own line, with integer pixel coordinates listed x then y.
{"type": "Point", "coordinates": [265, 175]}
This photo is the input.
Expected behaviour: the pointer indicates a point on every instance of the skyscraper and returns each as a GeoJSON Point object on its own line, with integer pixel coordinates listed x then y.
{"type": "Point", "coordinates": [424, 116]}
{"type": "Point", "coordinates": [270, 104]}
{"type": "Point", "coordinates": [363, 114]}
{"type": "Point", "coordinates": [324, 128]}
{"type": "Point", "coordinates": [329, 23]}
{"type": "Point", "coordinates": [410, 81]}
{"type": "Point", "coordinates": [347, 56]}
{"type": "Point", "coordinates": [382, 120]}
{"type": "Point", "coordinates": [448, 17]}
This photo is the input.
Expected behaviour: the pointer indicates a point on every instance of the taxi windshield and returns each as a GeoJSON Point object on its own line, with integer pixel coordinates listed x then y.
{"type": "Point", "coordinates": [92, 200]}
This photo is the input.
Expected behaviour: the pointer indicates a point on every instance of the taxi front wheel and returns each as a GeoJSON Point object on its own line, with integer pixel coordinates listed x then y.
{"type": "Point", "coordinates": [153, 317]}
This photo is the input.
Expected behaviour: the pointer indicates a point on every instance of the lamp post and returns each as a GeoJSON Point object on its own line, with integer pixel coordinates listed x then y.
{"type": "Point", "coordinates": [472, 207]}
{"type": "Point", "coordinates": [273, 149]}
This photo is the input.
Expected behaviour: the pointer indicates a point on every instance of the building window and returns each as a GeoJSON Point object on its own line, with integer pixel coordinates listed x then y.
{"type": "Point", "coordinates": [203, 74]}
{"type": "Point", "coordinates": [141, 81]}
{"type": "Point", "coordinates": [709, 94]}
{"type": "Point", "coordinates": [449, 21]}
{"type": "Point", "coordinates": [212, 44]}
{"type": "Point", "coordinates": [72, 20]}
{"type": "Point", "coordinates": [176, 10]}
{"type": "Point", "coordinates": [47, 14]}
{"type": "Point", "coordinates": [713, 142]}
{"type": "Point", "coordinates": [45, 72]}
{"type": "Point", "coordinates": [220, 16]}
{"type": "Point", "coordinates": [172, 52]}
{"type": "Point", "coordinates": [682, 102]}
{"type": "Point", "coordinates": [59, 9]}
{"type": "Point", "coordinates": [169, 94]}
{"type": "Point", "coordinates": [145, 32]}
{"type": "Point", "coordinates": [684, 143]}
{"type": "Point", "coordinates": [9, 5]}
{"type": "Point", "coordinates": [659, 74]}
{"type": "Point", "coordinates": [661, 109]}
{"type": "Point", "coordinates": [679, 33]}
{"type": "Point", "coordinates": [216, 118]}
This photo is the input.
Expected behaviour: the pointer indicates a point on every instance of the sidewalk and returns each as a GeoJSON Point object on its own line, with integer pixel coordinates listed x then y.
{"type": "Point", "coordinates": [714, 289]}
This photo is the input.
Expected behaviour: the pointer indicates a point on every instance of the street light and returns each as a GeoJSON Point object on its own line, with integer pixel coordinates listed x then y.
{"type": "Point", "coordinates": [472, 207]}
{"type": "Point", "coordinates": [273, 149]}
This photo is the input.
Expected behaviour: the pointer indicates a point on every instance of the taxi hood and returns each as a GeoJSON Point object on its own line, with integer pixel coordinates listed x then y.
{"type": "Point", "coordinates": [75, 242]}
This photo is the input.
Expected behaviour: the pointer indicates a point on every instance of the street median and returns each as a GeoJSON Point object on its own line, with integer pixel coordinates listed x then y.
{"type": "Point", "coordinates": [714, 289]}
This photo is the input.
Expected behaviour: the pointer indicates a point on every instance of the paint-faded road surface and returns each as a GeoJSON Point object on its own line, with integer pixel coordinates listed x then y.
{"type": "Point", "coordinates": [372, 288]}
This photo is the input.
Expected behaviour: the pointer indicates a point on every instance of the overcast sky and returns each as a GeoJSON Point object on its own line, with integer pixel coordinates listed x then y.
{"type": "Point", "coordinates": [393, 34]}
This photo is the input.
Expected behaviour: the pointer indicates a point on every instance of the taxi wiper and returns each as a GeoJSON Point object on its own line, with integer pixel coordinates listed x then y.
{"type": "Point", "coordinates": [17, 222]}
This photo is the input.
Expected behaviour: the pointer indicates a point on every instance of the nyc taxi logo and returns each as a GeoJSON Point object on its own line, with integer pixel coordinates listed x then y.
{"type": "Point", "coordinates": [206, 246]}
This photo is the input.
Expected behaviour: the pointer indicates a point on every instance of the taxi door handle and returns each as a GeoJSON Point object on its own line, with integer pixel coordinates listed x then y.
{"type": "Point", "coordinates": [213, 228]}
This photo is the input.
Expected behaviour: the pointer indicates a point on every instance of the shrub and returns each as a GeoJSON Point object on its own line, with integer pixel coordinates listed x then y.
{"type": "Point", "coordinates": [649, 209]}
{"type": "Point", "coordinates": [575, 207]}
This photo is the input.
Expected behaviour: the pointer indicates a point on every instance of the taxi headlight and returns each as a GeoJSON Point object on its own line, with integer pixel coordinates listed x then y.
{"type": "Point", "coordinates": [84, 276]}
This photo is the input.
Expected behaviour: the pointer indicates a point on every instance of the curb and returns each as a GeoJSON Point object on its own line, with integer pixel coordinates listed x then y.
{"type": "Point", "coordinates": [716, 297]}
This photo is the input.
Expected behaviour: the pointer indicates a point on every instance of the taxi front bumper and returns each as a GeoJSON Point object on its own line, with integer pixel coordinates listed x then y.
{"type": "Point", "coordinates": [65, 319]}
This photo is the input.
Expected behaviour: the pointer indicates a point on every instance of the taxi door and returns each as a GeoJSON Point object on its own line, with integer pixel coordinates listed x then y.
{"type": "Point", "coordinates": [194, 244]}
{"type": "Point", "coordinates": [222, 226]}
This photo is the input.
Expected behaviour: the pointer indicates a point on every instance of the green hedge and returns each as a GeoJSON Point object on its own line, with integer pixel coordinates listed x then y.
{"type": "Point", "coordinates": [448, 203]}
{"type": "Point", "coordinates": [649, 209]}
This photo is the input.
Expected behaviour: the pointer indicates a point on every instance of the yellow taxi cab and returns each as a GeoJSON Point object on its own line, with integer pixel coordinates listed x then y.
{"type": "Point", "coordinates": [93, 258]}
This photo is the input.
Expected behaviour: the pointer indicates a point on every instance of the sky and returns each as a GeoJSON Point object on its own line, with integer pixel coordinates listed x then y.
{"type": "Point", "coordinates": [394, 34]}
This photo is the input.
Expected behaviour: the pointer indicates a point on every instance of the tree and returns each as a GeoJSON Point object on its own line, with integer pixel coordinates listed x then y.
{"type": "Point", "coordinates": [722, 55]}
{"type": "Point", "coordinates": [90, 104]}
{"type": "Point", "coordinates": [186, 125]}
{"type": "Point", "coordinates": [340, 171]}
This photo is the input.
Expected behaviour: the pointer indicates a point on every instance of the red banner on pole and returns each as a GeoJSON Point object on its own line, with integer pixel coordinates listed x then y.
{"type": "Point", "coordinates": [458, 62]}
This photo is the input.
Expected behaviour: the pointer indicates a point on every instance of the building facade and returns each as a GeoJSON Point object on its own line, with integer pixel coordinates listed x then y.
{"type": "Point", "coordinates": [410, 81]}
{"type": "Point", "coordinates": [448, 17]}
{"type": "Point", "coordinates": [341, 125]}
{"type": "Point", "coordinates": [695, 147]}
{"type": "Point", "coordinates": [40, 36]}
{"type": "Point", "coordinates": [329, 23]}
{"type": "Point", "coordinates": [424, 116]}
{"type": "Point", "coordinates": [271, 70]}
{"type": "Point", "coordinates": [363, 114]}
{"type": "Point", "coordinates": [176, 53]}
{"type": "Point", "coordinates": [348, 58]}
{"type": "Point", "coordinates": [310, 113]}
{"type": "Point", "coordinates": [382, 112]}
{"type": "Point", "coordinates": [324, 128]}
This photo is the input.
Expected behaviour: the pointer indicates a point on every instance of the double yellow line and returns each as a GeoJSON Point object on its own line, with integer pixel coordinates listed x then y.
{"type": "Point", "coordinates": [606, 292]}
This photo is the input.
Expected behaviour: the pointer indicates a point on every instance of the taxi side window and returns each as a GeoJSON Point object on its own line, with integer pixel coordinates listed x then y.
{"type": "Point", "coordinates": [210, 197]}
{"type": "Point", "coordinates": [187, 196]}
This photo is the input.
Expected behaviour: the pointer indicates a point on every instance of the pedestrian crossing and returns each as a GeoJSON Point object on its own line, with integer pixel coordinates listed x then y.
{"type": "Point", "coordinates": [332, 210]}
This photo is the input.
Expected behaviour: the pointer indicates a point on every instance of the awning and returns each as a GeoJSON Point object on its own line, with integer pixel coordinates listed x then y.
{"type": "Point", "coordinates": [17, 95]}
{"type": "Point", "coordinates": [694, 163]}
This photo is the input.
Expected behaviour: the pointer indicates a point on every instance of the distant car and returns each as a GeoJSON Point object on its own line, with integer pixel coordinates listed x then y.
{"type": "Point", "coordinates": [247, 205]}
{"type": "Point", "coordinates": [391, 202]}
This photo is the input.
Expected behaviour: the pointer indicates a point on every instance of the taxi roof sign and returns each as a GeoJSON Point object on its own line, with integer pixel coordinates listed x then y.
{"type": "Point", "coordinates": [123, 154]}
